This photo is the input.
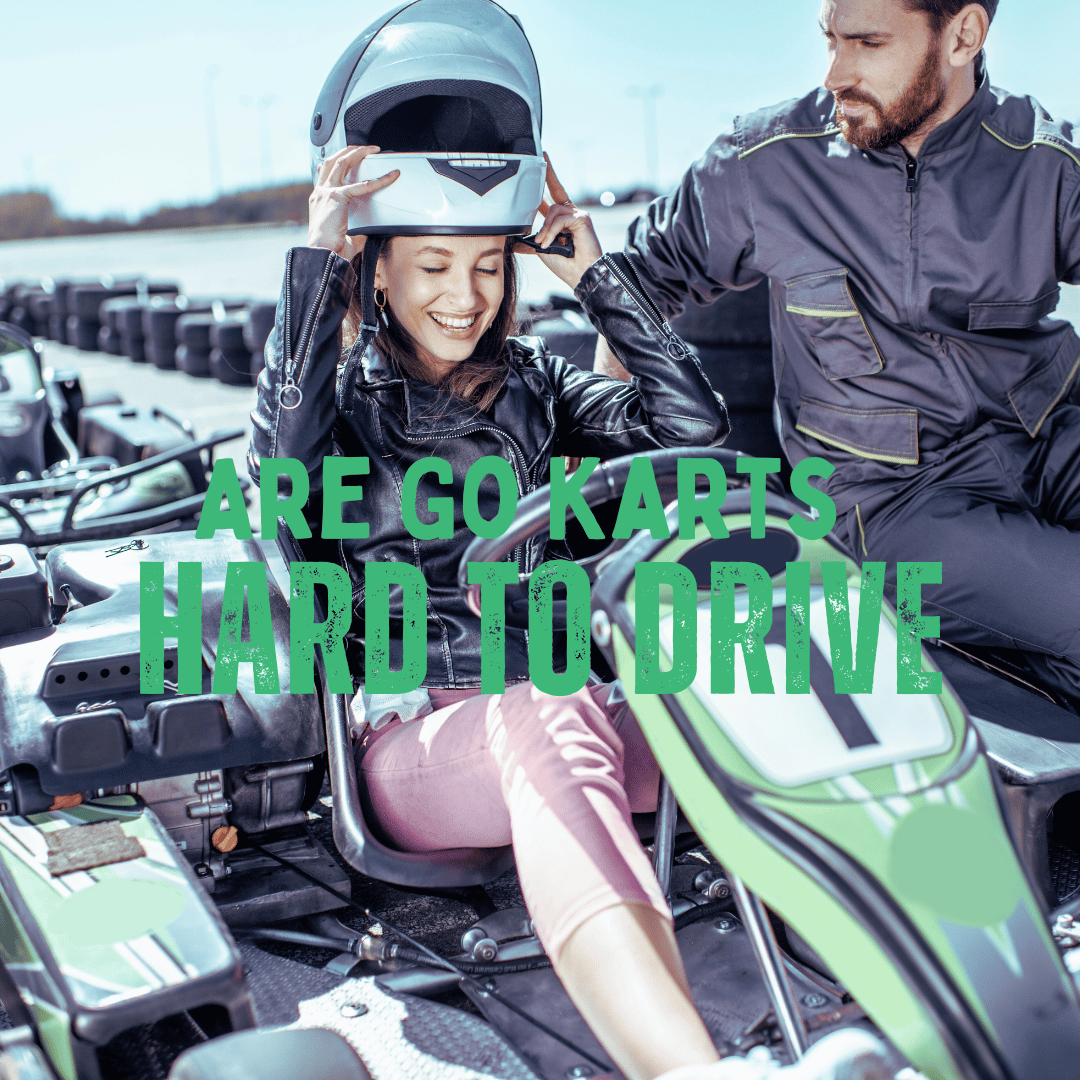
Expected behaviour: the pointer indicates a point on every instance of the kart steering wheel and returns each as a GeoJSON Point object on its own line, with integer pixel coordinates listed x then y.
{"type": "Point", "coordinates": [606, 483]}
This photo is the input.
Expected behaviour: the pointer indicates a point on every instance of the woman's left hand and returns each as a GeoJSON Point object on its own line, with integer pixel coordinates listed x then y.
{"type": "Point", "coordinates": [562, 216]}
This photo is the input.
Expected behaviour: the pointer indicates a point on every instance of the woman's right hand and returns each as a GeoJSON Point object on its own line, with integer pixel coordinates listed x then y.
{"type": "Point", "coordinates": [328, 204]}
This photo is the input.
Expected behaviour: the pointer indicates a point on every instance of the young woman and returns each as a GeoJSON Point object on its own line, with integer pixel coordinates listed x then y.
{"type": "Point", "coordinates": [556, 777]}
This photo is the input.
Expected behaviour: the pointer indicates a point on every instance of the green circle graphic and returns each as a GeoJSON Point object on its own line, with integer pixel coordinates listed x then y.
{"type": "Point", "coordinates": [955, 863]}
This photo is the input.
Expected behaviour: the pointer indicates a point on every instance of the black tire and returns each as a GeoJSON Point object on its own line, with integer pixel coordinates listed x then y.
{"type": "Point", "coordinates": [258, 362]}
{"type": "Point", "coordinates": [161, 354]}
{"type": "Point", "coordinates": [20, 316]}
{"type": "Point", "coordinates": [82, 333]}
{"type": "Point", "coordinates": [258, 326]}
{"type": "Point", "coordinates": [737, 318]}
{"type": "Point", "coordinates": [228, 336]}
{"type": "Point", "coordinates": [58, 328]}
{"type": "Point", "coordinates": [133, 346]}
{"type": "Point", "coordinates": [194, 331]}
{"type": "Point", "coordinates": [193, 361]}
{"type": "Point", "coordinates": [40, 304]}
{"type": "Point", "coordinates": [232, 367]}
{"type": "Point", "coordinates": [744, 377]}
{"type": "Point", "coordinates": [108, 341]}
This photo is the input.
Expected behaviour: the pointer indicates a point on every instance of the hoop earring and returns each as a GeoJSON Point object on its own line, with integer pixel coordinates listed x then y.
{"type": "Point", "coordinates": [380, 303]}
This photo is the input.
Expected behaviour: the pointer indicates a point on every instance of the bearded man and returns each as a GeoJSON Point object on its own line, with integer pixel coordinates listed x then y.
{"type": "Point", "coordinates": [914, 223]}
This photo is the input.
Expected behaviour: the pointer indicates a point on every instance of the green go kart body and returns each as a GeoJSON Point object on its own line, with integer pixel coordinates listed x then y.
{"type": "Point", "coordinates": [890, 854]}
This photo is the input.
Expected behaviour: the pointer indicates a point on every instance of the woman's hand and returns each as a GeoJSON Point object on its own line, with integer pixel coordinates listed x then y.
{"type": "Point", "coordinates": [328, 204]}
{"type": "Point", "coordinates": [560, 216]}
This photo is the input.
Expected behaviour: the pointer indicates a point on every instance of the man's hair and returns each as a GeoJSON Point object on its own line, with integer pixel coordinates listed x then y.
{"type": "Point", "coordinates": [941, 12]}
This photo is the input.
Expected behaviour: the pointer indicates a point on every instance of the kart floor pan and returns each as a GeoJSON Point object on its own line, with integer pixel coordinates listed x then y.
{"type": "Point", "coordinates": [724, 977]}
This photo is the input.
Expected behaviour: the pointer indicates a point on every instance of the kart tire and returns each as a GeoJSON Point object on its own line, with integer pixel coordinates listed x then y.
{"type": "Point", "coordinates": [193, 361]}
{"type": "Point", "coordinates": [133, 346]}
{"type": "Point", "coordinates": [742, 376]}
{"type": "Point", "coordinates": [82, 333]}
{"type": "Point", "coordinates": [161, 355]}
{"type": "Point", "coordinates": [257, 329]}
{"type": "Point", "coordinates": [229, 335]}
{"type": "Point", "coordinates": [194, 331]}
{"type": "Point", "coordinates": [58, 328]}
{"type": "Point", "coordinates": [737, 318]}
{"type": "Point", "coordinates": [161, 314]}
{"type": "Point", "coordinates": [108, 341]}
{"type": "Point", "coordinates": [231, 367]}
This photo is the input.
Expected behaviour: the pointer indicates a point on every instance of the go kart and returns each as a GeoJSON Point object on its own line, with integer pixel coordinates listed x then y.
{"type": "Point", "coordinates": [175, 870]}
{"type": "Point", "coordinates": [74, 470]}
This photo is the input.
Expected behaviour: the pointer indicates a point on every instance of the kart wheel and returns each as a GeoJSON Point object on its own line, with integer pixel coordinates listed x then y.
{"type": "Point", "coordinates": [58, 328]}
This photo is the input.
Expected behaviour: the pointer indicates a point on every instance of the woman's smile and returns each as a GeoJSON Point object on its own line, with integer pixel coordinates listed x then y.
{"type": "Point", "coordinates": [455, 325]}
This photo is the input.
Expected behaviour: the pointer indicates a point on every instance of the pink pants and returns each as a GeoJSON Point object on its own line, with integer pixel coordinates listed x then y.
{"type": "Point", "coordinates": [555, 776]}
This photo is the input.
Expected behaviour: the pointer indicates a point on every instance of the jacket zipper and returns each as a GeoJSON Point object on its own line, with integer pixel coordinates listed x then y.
{"type": "Point", "coordinates": [650, 309]}
{"type": "Point", "coordinates": [912, 179]}
{"type": "Point", "coordinates": [294, 365]}
{"type": "Point", "coordinates": [516, 459]}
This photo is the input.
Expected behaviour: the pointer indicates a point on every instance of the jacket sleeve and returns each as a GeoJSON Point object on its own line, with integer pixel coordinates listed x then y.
{"type": "Point", "coordinates": [1069, 235]}
{"type": "Point", "coordinates": [668, 401]}
{"type": "Point", "coordinates": [698, 241]}
{"type": "Point", "coordinates": [295, 404]}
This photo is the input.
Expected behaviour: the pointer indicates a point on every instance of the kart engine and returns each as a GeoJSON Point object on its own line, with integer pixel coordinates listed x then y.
{"type": "Point", "coordinates": [216, 769]}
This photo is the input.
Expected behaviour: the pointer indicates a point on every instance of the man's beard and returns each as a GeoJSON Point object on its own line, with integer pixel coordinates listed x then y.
{"type": "Point", "coordinates": [918, 102]}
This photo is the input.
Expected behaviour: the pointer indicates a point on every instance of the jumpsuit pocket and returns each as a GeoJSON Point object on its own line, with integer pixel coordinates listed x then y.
{"type": "Point", "coordinates": [822, 306]}
{"type": "Point", "coordinates": [1012, 316]}
{"type": "Point", "coordinates": [879, 434]}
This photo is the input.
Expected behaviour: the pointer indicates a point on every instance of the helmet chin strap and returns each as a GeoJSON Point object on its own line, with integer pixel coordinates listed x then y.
{"type": "Point", "coordinates": [369, 324]}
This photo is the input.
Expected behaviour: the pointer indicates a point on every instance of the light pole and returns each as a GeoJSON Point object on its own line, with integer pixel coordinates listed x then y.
{"type": "Point", "coordinates": [648, 95]}
{"type": "Point", "coordinates": [262, 106]}
{"type": "Point", "coordinates": [212, 147]}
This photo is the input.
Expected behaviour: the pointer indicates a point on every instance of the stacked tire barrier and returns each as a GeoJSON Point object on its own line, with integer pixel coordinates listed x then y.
{"type": "Point", "coordinates": [84, 301]}
{"type": "Point", "coordinates": [256, 330]}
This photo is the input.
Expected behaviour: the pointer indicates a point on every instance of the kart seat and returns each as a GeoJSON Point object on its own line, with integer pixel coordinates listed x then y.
{"type": "Point", "coordinates": [1035, 745]}
{"type": "Point", "coordinates": [354, 836]}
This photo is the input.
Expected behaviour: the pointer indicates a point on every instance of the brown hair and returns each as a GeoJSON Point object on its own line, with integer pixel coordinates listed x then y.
{"type": "Point", "coordinates": [477, 380]}
{"type": "Point", "coordinates": [940, 13]}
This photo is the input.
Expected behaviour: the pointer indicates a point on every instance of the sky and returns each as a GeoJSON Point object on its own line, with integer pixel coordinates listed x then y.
{"type": "Point", "coordinates": [121, 106]}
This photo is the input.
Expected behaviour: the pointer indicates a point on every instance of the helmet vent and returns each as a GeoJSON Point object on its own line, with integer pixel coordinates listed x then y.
{"type": "Point", "coordinates": [442, 116]}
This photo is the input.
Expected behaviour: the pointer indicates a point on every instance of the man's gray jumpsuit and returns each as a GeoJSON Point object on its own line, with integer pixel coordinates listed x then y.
{"type": "Point", "coordinates": [912, 346]}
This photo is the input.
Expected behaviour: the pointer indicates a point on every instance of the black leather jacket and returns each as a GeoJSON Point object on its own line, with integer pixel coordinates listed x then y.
{"type": "Point", "coordinates": [547, 408]}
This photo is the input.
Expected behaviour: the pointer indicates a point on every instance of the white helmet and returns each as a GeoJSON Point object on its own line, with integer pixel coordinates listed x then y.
{"type": "Point", "coordinates": [449, 91]}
